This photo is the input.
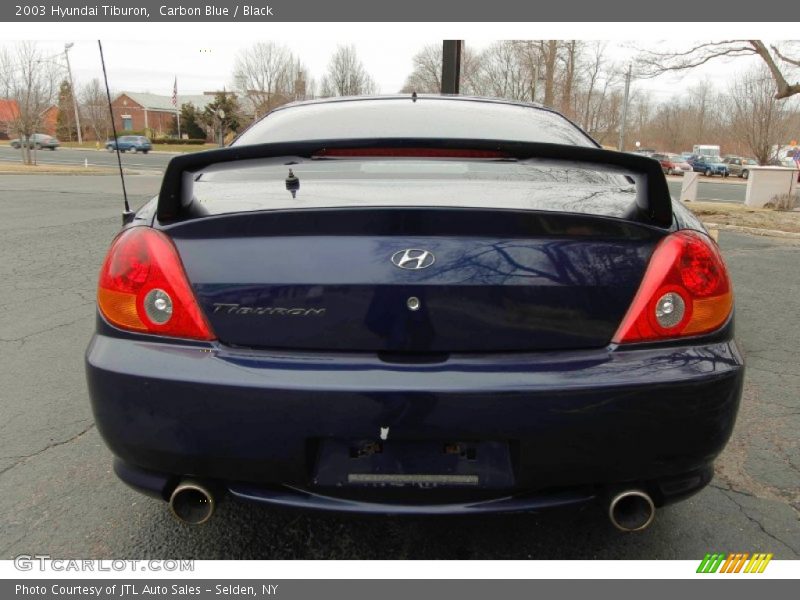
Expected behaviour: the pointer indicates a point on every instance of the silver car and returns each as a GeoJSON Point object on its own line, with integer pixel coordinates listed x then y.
{"type": "Point", "coordinates": [738, 166]}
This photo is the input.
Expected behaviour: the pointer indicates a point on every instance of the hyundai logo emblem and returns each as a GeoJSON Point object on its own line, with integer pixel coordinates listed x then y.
{"type": "Point", "coordinates": [413, 259]}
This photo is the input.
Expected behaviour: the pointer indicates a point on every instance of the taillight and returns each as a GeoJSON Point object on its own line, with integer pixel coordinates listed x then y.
{"type": "Point", "coordinates": [143, 287]}
{"type": "Point", "coordinates": [685, 291]}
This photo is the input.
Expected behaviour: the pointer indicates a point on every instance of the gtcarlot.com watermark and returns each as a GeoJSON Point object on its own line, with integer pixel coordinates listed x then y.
{"type": "Point", "coordinates": [46, 563]}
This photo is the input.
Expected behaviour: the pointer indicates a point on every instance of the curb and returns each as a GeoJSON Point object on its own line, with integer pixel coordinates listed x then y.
{"type": "Point", "coordinates": [731, 180]}
{"type": "Point", "coordinates": [754, 230]}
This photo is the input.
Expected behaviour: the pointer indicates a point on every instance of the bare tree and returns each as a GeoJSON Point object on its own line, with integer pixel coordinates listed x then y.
{"type": "Point", "coordinates": [571, 59]}
{"type": "Point", "coordinates": [703, 110]}
{"type": "Point", "coordinates": [573, 74]}
{"type": "Point", "coordinates": [669, 125]}
{"type": "Point", "coordinates": [594, 72]}
{"type": "Point", "coordinates": [549, 50]}
{"type": "Point", "coordinates": [782, 60]}
{"type": "Point", "coordinates": [426, 76]}
{"type": "Point", "coordinates": [31, 81]}
{"type": "Point", "coordinates": [266, 74]}
{"type": "Point", "coordinates": [640, 113]}
{"type": "Point", "coordinates": [346, 75]}
{"type": "Point", "coordinates": [94, 109]}
{"type": "Point", "coordinates": [6, 69]}
{"type": "Point", "coordinates": [505, 72]}
{"type": "Point", "coordinates": [597, 98]}
{"type": "Point", "coordinates": [757, 118]}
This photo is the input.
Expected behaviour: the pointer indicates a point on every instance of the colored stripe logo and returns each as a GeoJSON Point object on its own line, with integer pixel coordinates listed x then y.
{"type": "Point", "coordinates": [740, 562]}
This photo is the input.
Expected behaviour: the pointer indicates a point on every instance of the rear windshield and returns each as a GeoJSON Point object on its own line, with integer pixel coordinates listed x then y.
{"type": "Point", "coordinates": [337, 182]}
{"type": "Point", "coordinates": [358, 181]}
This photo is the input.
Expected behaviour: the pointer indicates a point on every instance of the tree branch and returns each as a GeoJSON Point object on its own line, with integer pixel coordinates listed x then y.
{"type": "Point", "coordinates": [658, 63]}
{"type": "Point", "coordinates": [784, 88]}
{"type": "Point", "coordinates": [791, 61]}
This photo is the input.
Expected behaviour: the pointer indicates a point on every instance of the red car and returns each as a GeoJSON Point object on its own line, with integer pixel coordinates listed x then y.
{"type": "Point", "coordinates": [672, 164]}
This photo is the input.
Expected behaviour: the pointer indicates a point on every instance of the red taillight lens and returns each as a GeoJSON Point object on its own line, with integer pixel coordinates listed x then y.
{"type": "Point", "coordinates": [685, 291]}
{"type": "Point", "coordinates": [143, 287]}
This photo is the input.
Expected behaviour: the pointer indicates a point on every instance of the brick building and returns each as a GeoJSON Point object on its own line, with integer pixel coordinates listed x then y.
{"type": "Point", "coordinates": [49, 122]}
{"type": "Point", "coordinates": [135, 111]}
{"type": "Point", "coordinates": [9, 112]}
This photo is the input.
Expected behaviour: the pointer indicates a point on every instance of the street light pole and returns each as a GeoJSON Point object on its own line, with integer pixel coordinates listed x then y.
{"type": "Point", "coordinates": [67, 46]}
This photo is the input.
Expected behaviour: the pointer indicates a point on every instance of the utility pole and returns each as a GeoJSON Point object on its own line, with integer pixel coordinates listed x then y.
{"type": "Point", "coordinates": [625, 109]}
{"type": "Point", "coordinates": [451, 66]}
{"type": "Point", "coordinates": [74, 93]}
{"type": "Point", "coordinates": [221, 116]}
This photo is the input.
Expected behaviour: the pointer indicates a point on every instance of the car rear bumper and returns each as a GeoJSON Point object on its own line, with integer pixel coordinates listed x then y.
{"type": "Point", "coordinates": [254, 422]}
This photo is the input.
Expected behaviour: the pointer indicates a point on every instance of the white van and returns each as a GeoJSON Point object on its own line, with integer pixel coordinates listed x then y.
{"type": "Point", "coordinates": [705, 150]}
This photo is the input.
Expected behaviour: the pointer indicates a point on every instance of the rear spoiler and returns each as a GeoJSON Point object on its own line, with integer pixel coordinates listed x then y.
{"type": "Point", "coordinates": [653, 203]}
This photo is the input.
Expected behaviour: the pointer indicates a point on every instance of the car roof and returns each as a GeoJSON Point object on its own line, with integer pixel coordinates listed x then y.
{"type": "Point", "coordinates": [402, 115]}
{"type": "Point", "coordinates": [411, 97]}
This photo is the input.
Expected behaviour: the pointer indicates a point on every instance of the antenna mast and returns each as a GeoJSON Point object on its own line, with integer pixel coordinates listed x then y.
{"type": "Point", "coordinates": [127, 214]}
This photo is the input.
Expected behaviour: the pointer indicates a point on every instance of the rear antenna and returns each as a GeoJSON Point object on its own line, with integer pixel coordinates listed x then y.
{"type": "Point", "coordinates": [127, 214]}
{"type": "Point", "coordinates": [293, 183]}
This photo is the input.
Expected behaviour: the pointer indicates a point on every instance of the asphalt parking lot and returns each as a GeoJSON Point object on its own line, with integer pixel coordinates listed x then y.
{"type": "Point", "coordinates": [59, 496]}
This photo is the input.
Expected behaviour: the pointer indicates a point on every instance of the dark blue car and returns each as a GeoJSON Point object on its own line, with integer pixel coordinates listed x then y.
{"type": "Point", "coordinates": [134, 143]}
{"type": "Point", "coordinates": [708, 165]}
{"type": "Point", "coordinates": [420, 305]}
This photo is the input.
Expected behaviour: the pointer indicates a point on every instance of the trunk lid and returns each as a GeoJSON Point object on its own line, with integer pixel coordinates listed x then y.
{"type": "Point", "coordinates": [414, 280]}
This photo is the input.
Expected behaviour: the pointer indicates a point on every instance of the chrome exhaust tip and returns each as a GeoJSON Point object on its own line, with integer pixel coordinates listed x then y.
{"type": "Point", "coordinates": [192, 503]}
{"type": "Point", "coordinates": [631, 510]}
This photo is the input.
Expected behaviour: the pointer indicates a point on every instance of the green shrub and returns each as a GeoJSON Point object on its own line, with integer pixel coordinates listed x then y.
{"type": "Point", "coordinates": [134, 132]}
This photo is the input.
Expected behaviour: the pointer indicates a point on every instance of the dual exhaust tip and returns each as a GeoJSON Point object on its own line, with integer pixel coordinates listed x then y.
{"type": "Point", "coordinates": [631, 510]}
{"type": "Point", "coordinates": [193, 503]}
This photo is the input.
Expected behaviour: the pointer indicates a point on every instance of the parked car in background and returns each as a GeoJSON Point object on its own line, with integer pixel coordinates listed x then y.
{"type": "Point", "coordinates": [708, 165]}
{"type": "Point", "coordinates": [134, 143]}
{"type": "Point", "coordinates": [672, 164]}
{"type": "Point", "coordinates": [681, 163]}
{"type": "Point", "coordinates": [707, 150]}
{"type": "Point", "coordinates": [37, 140]}
{"type": "Point", "coordinates": [738, 166]}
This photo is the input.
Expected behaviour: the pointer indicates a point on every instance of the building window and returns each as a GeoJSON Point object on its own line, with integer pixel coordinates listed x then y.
{"type": "Point", "coordinates": [127, 123]}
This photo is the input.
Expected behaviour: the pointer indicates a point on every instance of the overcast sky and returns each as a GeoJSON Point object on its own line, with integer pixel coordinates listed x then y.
{"type": "Point", "coordinates": [151, 66]}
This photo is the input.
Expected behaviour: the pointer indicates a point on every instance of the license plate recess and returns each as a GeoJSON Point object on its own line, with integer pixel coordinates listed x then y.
{"type": "Point", "coordinates": [424, 464]}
